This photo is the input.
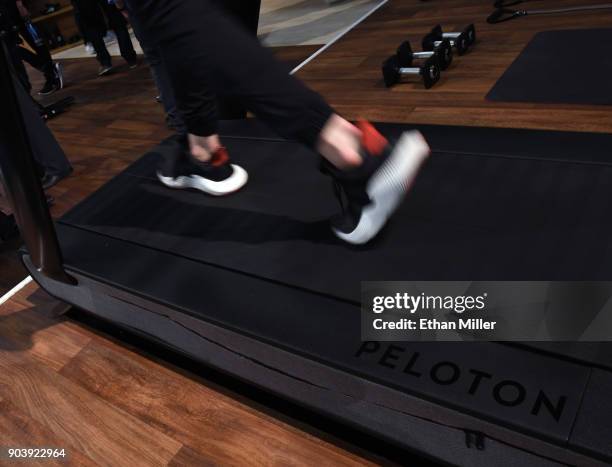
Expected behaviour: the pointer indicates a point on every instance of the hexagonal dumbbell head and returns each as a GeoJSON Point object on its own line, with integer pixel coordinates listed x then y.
{"type": "Point", "coordinates": [430, 72]}
{"type": "Point", "coordinates": [443, 53]}
{"type": "Point", "coordinates": [392, 72]}
{"type": "Point", "coordinates": [468, 33]}
{"type": "Point", "coordinates": [435, 36]}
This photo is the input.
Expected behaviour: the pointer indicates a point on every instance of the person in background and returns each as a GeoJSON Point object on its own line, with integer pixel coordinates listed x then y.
{"type": "Point", "coordinates": [159, 73]}
{"type": "Point", "coordinates": [91, 14]}
{"type": "Point", "coordinates": [39, 57]}
{"type": "Point", "coordinates": [51, 162]}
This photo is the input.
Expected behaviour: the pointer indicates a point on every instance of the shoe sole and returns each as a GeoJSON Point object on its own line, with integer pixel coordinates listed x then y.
{"type": "Point", "coordinates": [105, 72]}
{"type": "Point", "coordinates": [388, 186]}
{"type": "Point", "coordinates": [238, 179]}
{"type": "Point", "coordinates": [48, 93]}
{"type": "Point", "coordinates": [60, 74]}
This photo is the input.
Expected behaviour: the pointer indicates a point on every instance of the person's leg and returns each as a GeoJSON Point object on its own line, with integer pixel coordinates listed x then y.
{"type": "Point", "coordinates": [19, 68]}
{"type": "Point", "coordinates": [162, 82]}
{"type": "Point", "coordinates": [104, 58]}
{"type": "Point", "coordinates": [92, 21]}
{"type": "Point", "coordinates": [118, 24]}
{"type": "Point", "coordinates": [80, 26]}
{"type": "Point", "coordinates": [47, 153]}
{"type": "Point", "coordinates": [207, 53]}
{"type": "Point", "coordinates": [153, 57]}
{"type": "Point", "coordinates": [29, 57]}
{"type": "Point", "coordinates": [43, 61]}
{"type": "Point", "coordinates": [82, 31]}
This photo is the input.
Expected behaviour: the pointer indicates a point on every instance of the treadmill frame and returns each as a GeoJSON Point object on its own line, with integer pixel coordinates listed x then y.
{"type": "Point", "coordinates": [399, 417]}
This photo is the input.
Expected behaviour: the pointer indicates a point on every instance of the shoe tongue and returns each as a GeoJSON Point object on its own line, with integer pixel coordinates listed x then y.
{"type": "Point", "coordinates": [372, 141]}
{"type": "Point", "coordinates": [219, 157]}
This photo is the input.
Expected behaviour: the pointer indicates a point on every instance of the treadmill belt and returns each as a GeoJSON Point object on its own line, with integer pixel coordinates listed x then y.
{"type": "Point", "coordinates": [262, 265]}
{"type": "Point", "coordinates": [564, 67]}
{"type": "Point", "coordinates": [469, 217]}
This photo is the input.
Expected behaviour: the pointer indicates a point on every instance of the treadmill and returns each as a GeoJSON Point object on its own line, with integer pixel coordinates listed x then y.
{"type": "Point", "coordinates": [255, 284]}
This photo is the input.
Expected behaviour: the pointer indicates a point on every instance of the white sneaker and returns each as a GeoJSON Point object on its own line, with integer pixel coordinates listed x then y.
{"type": "Point", "coordinates": [371, 193]}
{"type": "Point", "coordinates": [110, 38]}
{"type": "Point", "coordinates": [217, 177]}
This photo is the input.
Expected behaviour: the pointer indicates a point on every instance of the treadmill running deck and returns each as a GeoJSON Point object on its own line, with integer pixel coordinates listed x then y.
{"type": "Point", "coordinates": [490, 204]}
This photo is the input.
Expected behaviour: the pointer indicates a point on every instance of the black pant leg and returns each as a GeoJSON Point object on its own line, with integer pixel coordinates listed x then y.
{"type": "Point", "coordinates": [41, 60]}
{"type": "Point", "coordinates": [125, 44]}
{"type": "Point", "coordinates": [117, 23]}
{"type": "Point", "coordinates": [97, 41]}
{"type": "Point", "coordinates": [47, 152]}
{"type": "Point", "coordinates": [208, 54]}
{"type": "Point", "coordinates": [92, 21]}
{"type": "Point", "coordinates": [19, 68]}
{"type": "Point", "coordinates": [80, 26]}
{"type": "Point", "coordinates": [153, 57]}
{"type": "Point", "coordinates": [29, 57]}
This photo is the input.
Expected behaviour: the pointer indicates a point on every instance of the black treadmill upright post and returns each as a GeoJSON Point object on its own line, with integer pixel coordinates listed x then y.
{"type": "Point", "coordinates": [22, 186]}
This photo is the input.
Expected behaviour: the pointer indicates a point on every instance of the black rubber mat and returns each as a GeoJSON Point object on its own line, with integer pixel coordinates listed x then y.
{"type": "Point", "coordinates": [565, 67]}
{"type": "Point", "coordinates": [328, 331]}
{"type": "Point", "coordinates": [469, 217]}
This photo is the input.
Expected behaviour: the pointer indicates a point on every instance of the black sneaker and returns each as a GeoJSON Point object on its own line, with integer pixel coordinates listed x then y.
{"type": "Point", "coordinates": [104, 70]}
{"type": "Point", "coordinates": [217, 177]}
{"type": "Point", "coordinates": [49, 88]}
{"type": "Point", "coordinates": [370, 193]}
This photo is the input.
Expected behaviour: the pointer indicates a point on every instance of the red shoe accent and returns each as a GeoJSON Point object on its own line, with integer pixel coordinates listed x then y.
{"type": "Point", "coordinates": [371, 139]}
{"type": "Point", "coordinates": [219, 157]}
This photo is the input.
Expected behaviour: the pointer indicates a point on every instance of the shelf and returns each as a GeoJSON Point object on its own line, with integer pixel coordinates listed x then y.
{"type": "Point", "coordinates": [60, 12]}
{"type": "Point", "coordinates": [66, 47]}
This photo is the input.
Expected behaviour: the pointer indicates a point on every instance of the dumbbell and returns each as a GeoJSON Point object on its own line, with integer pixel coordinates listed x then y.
{"type": "Point", "coordinates": [469, 32]}
{"type": "Point", "coordinates": [443, 53]}
{"type": "Point", "coordinates": [393, 72]}
{"type": "Point", "coordinates": [461, 42]}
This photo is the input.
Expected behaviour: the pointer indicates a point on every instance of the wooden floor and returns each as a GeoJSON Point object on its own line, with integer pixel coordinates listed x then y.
{"type": "Point", "coordinates": [67, 384]}
{"type": "Point", "coordinates": [348, 74]}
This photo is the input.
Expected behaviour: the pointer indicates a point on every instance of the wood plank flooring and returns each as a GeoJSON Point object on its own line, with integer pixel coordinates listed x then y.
{"type": "Point", "coordinates": [63, 384]}
{"type": "Point", "coordinates": [348, 73]}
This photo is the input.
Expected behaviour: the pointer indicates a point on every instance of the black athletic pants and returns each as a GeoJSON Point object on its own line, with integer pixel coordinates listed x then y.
{"type": "Point", "coordinates": [48, 154]}
{"type": "Point", "coordinates": [41, 59]}
{"type": "Point", "coordinates": [7, 226]}
{"type": "Point", "coordinates": [91, 15]}
{"type": "Point", "coordinates": [207, 54]}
